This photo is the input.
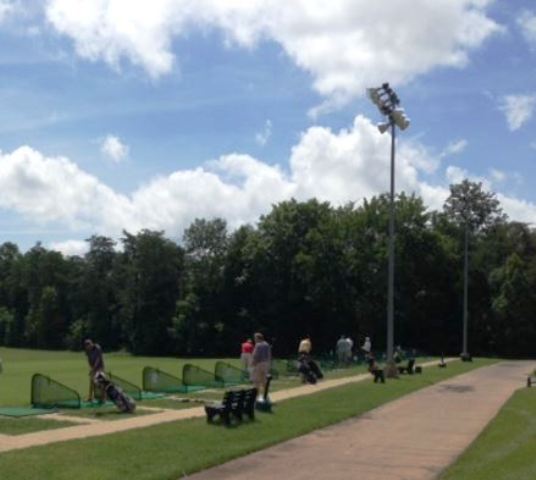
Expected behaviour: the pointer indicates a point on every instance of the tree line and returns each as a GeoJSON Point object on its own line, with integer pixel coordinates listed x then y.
{"type": "Point", "coordinates": [303, 268]}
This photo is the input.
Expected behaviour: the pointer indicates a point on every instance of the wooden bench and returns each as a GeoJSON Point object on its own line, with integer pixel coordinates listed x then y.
{"type": "Point", "coordinates": [531, 380]}
{"type": "Point", "coordinates": [245, 404]}
{"type": "Point", "coordinates": [235, 403]}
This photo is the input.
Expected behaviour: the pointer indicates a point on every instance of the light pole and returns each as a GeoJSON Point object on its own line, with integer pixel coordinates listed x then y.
{"type": "Point", "coordinates": [465, 356]}
{"type": "Point", "coordinates": [388, 103]}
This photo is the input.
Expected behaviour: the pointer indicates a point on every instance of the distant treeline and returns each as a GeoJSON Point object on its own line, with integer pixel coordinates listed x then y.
{"type": "Point", "coordinates": [305, 267]}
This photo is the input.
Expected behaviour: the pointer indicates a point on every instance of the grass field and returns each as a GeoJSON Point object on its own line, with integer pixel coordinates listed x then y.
{"type": "Point", "coordinates": [18, 426]}
{"type": "Point", "coordinates": [506, 449]}
{"type": "Point", "coordinates": [70, 368]}
{"type": "Point", "coordinates": [171, 450]}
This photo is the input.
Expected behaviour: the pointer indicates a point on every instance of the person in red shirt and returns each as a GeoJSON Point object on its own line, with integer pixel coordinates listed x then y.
{"type": "Point", "coordinates": [247, 354]}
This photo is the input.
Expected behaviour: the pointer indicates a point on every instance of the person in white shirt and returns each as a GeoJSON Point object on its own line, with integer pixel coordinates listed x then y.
{"type": "Point", "coordinates": [367, 347]}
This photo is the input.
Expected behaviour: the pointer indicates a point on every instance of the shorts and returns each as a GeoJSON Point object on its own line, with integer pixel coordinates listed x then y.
{"type": "Point", "coordinates": [259, 372]}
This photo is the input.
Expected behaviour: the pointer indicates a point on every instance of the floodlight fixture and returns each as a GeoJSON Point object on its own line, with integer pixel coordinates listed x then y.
{"type": "Point", "coordinates": [383, 127]}
{"type": "Point", "coordinates": [400, 118]}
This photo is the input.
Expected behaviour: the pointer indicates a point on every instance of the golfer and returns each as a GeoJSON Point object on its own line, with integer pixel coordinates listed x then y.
{"type": "Point", "coordinates": [246, 354]}
{"type": "Point", "coordinates": [95, 360]}
{"type": "Point", "coordinates": [260, 363]}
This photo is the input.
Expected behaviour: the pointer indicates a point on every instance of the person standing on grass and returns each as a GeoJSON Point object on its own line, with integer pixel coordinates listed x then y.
{"type": "Point", "coordinates": [367, 348]}
{"type": "Point", "coordinates": [304, 356]}
{"type": "Point", "coordinates": [305, 347]}
{"type": "Point", "coordinates": [342, 350]}
{"type": "Point", "coordinates": [260, 363]}
{"type": "Point", "coordinates": [350, 348]}
{"type": "Point", "coordinates": [95, 360]}
{"type": "Point", "coordinates": [246, 354]}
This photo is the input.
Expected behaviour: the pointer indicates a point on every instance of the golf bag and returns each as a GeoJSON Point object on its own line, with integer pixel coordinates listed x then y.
{"type": "Point", "coordinates": [309, 369]}
{"type": "Point", "coordinates": [121, 400]}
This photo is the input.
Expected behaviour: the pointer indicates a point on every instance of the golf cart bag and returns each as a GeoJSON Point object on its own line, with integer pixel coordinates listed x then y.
{"type": "Point", "coordinates": [121, 400]}
{"type": "Point", "coordinates": [309, 369]}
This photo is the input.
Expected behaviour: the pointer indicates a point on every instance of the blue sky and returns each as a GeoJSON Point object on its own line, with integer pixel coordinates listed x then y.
{"type": "Point", "coordinates": [132, 114]}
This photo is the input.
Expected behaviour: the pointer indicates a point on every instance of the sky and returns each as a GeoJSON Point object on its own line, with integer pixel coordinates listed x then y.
{"type": "Point", "coordinates": [129, 114]}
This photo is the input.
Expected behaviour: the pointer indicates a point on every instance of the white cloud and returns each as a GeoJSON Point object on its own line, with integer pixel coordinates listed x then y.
{"type": "Point", "coordinates": [70, 247]}
{"type": "Point", "coordinates": [518, 109]}
{"type": "Point", "coordinates": [497, 176]}
{"type": "Point", "coordinates": [49, 190]}
{"type": "Point", "coordinates": [346, 45]}
{"type": "Point", "coordinates": [7, 7]}
{"type": "Point", "coordinates": [336, 166]}
{"type": "Point", "coordinates": [519, 210]}
{"type": "Point", "coordinates": [339, 167]}
{"type": "Point", "coordinates": [454, 148]}
{"type": "Point", "coordinates": [114, 149]}
{"type": "Point", "coordinates": [455, 174]}
{"type": "Point", "coordinates": [527, 22]}
{"type": "Point", "coordinates": [262, 137]}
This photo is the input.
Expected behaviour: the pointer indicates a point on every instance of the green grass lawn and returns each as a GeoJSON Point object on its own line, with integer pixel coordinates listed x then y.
{"type": "Point", "coordinates": [105, 413]}
{"type": "Point", "coordinates": [506, 449]}
{"type": "Point", "coordinates": [18, 426]}
{"type": "Point", "coordinates": [70, 368]}
{"type": "Point", "coordinates": [171, 450]}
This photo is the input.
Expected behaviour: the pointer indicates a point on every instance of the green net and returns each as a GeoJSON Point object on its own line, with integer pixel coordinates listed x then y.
{"type": "Point", "coordinates": [47, 393]}
{"type": "Point", "coordinates": [229, 374]}
{"type": "Point", "coordinates": [129, 388]}
{"type": "Point", "coordinates": [194, 376]}
{"type": "Point", "coordinates": [155, 380]}
{"type": "Point", "coordinates": [330, 363]}
{"type": "Point", "coordinates": [282, 367]}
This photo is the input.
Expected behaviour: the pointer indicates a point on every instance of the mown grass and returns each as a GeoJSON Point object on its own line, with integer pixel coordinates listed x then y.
{"type": "Point", "coordinates": [506, 449]}
{"type": "Point", "coordinates": [70, 368]}
{"type": "Point", "coordinates": [106, 413]}
{"type": "Point", "coordinates": [18, 426]}
{"type": "Point", "coordinates": [169, 451]}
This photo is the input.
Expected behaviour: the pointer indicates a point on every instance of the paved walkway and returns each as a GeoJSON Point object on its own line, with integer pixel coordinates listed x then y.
{"type": "Point", "coordinates": [413, 438]}
{"type": "Point", "coordinates": [98, 428]}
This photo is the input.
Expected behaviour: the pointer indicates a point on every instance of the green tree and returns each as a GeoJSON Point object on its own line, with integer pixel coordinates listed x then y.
{"type": "Point", "coordinates": [97, 293]}
{"type": "Point", "coordinates": [475, 211]}
{"type": "Point", "coordinates": [148, 274]}
{"type": "Point", "coordinates": [200, 318]}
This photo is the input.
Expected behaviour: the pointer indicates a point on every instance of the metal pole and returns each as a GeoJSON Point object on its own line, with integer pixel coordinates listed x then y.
{"type": "Point", "coordinates": [391, 280]}
{"type": "Point", "coordinates": [465, 288]}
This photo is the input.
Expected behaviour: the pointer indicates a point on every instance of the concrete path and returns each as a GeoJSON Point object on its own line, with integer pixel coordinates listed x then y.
{"type": "Point", "coordinates": [413, 438]}
{"type": "Point", "coordinates": [99, 428]}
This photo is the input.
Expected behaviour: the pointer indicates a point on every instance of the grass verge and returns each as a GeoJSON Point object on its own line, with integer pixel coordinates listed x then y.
{"type": "Point", "coordinates": [505, 449]}
{"type": "Point", "coordinates": [18, 426]}
{"type": "Point", "coordinates": [172, 450]}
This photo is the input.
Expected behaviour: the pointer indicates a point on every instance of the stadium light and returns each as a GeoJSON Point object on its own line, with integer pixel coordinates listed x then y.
{"type": "Point", "coordinates": [387, 101]}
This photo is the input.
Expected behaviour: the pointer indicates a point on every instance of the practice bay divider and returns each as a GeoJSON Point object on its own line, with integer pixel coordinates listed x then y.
{"type": "Point", "coordinates": [282, 367]}
{"type": "Point", "coordinates": [229, 374]}
{"type": "Point", "coordinates": [48, 393]}
{"type": "Point", "coordinates": [196, 377]}
{"type": "Point", "coordinates": [129, 388]}
{"type": "Point", "coordinates": [158, 381]}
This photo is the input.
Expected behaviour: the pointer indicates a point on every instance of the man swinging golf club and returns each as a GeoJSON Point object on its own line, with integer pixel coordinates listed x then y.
{"type": "Point", "coordinates": [96, 365]}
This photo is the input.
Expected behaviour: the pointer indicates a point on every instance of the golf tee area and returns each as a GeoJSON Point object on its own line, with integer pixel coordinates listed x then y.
{"type": "Point", "coordinates": [383, 430]}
